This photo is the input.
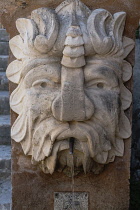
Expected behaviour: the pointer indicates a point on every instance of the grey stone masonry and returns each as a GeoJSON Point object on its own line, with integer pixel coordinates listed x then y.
{"type": "Point", "coordinates": [5, 147]}
{"type": "Point", "coordinates": [5, 194]}
{"type": "Point", "coordinates": [4, 129]}
{"type": "Point", "coordinates": [4, 103]}
{"type": "Point", "coordinates": [5, 161]}
{"type": "Point", "coordinates": [4, 37]}
{"type": "Point", "coordinates": [3, 62]}
{"type": "Point", "coordinates": [3, 81]}
{"type": "Point", "coordinates": [4, 48]}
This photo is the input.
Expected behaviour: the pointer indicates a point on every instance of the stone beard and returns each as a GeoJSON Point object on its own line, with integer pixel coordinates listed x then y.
{"type": "Point", "coordinates": [70, 71]}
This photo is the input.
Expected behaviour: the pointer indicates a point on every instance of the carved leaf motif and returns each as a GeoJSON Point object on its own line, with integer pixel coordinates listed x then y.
{"type": "Point", "coordinates": [16, 98]}
{"type": "Point", "coordinates": [26, 143]}
{"type": "Point", "coordinates": [119, 147]}
{"type": "Point", "coordinates": [17, 47]}
{"type": "Point", "coordinates": [128, 45]}
{"type": "Point", "coordinates": [19, 128]}
{"type": "Point", "coordinates": [43, 19]}
{"type": "Point", "coordinates": [126, 97]}
{"type": "Point", "coordinates": [48, 29]}
{"type": "Point", "coordinates": [124, 131]}
{"type": "Point", "coordinates": [127, 71]}
{"type": "Point", "coordinates": [100, 36]}
{"type": "Point", "coordinates": [27, 29]}
{"type": "Point", "coordinates": [118, 26]}
{"type": "Point", "coordinates": [13, 71]}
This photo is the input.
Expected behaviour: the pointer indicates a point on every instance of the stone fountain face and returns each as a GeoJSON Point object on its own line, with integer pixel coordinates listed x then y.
{"type": "Point", "coordinates": [70, 71]}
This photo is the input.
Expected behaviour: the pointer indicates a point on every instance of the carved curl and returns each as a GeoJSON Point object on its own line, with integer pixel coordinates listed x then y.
{"type": "Point", "coordinates": [106, 31]}
{"type": "Point", "coordinates": [37, 35]}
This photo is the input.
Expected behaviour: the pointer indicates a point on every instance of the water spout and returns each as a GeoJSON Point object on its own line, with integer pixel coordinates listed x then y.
{"type": "Point", "coordinates": [71, 144]}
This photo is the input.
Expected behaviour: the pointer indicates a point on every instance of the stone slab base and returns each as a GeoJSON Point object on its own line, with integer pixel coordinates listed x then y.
{"type": "Point", "coordinates": [35, 190]}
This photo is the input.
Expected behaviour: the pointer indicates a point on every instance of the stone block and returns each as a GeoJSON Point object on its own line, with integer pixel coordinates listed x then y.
{"type": "Point", "coordinates": [5, 130]}
{"type": "Point", "coordinates": [4, 48]}
{"type": "Point", "coordinates": [4, 37]}
{"type": "Point", "coordinates": [5, 161]}
{"type": "Point", "coordinates": [4, 103]}
{"type": "Point", "coordinates": [5, 194]}
{"type": "Point", "coordinates": [3, 82]}
{"type": "Point", "coordinates": [3, 62]}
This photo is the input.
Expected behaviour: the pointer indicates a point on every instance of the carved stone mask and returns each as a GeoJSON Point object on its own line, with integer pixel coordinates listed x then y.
{"type": "Point", "coordinates": [70, 71]}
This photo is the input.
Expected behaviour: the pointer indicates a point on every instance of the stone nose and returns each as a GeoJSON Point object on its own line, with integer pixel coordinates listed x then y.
{"type": "Point", "coordinates": [72, 104]}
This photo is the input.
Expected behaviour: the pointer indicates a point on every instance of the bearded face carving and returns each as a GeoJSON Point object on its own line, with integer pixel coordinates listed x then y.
{"type": "Point", "coordinates": [70, 71]}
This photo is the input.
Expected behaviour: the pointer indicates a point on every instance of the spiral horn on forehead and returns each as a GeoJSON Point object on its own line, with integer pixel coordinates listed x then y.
{"type": "Point", "coordinates": [73, 53]}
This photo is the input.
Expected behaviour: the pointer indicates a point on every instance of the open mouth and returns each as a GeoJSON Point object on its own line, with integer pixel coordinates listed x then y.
{"type": "Point", "coordinates": [73, 153]}
{"type": "Point", "coordinates": [71, 144]}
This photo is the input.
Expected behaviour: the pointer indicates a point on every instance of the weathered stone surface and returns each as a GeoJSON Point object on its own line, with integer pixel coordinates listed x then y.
{"type": "Point", "coordinates": [80, 96]}
{"type": "Point", "coordinates": [103, 189]}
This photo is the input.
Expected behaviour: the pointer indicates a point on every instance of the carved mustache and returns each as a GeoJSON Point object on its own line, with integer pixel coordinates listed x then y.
{"type": "Point", "coordinates": [52, 135]}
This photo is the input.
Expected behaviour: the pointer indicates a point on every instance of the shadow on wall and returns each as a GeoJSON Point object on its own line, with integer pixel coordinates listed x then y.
{"type": "Point", "coordinates": [135, 155]}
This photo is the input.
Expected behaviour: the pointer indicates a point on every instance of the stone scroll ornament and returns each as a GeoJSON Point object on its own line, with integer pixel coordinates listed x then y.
{"type": "Point", "coordinates": [70, 71]}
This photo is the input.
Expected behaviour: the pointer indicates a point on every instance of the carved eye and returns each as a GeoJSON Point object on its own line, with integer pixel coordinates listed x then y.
{"type": "Point", "coordinates": [100, 85]}
{"type": "Point", "coordinates": [95, 84]}
{"type": "Point", "coordinates": [43, 83]}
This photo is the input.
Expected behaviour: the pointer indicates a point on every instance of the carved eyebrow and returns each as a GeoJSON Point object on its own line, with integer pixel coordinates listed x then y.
{"type": "Point", "coordinates": [42, 72]}
{"type": "Point", "coordinates": [40, 81]}
{"type": "Point", "coordinates": [93, 72]}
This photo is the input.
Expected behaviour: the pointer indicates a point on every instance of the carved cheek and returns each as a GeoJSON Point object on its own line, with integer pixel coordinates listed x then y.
{"type": "Point", "coordinates": [111, 103]}
{"type": "Point", "coordinates": [104, 100]}
{"type": "Point", "coordinates": [40, 101]}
